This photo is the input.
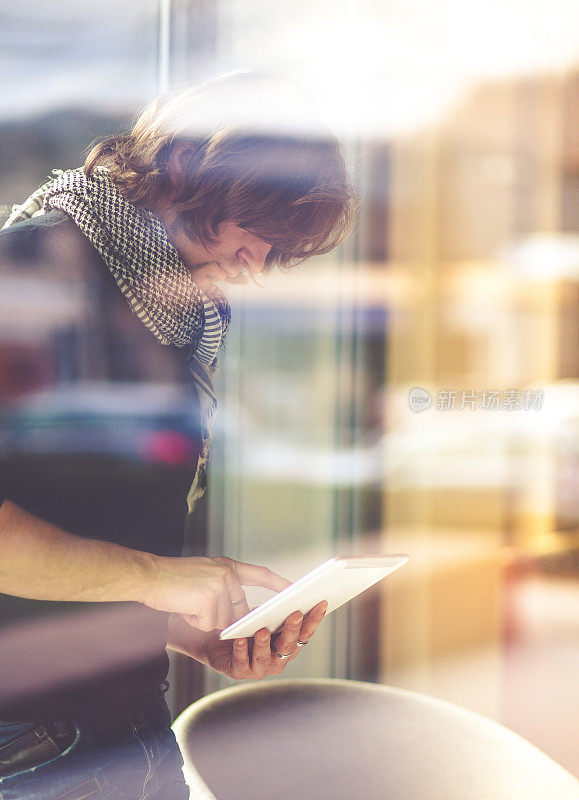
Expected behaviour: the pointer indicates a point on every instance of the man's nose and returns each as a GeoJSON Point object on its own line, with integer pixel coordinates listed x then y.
{"type": "Point", "coordinates": [255, 254]}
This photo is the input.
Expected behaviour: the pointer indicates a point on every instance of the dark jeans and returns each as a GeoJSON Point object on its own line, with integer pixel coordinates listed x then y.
{"type": "Point", "coordinates": [137, 759]}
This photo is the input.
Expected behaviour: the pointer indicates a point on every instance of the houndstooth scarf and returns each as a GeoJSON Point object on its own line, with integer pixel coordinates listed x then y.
{"type": "Point", "coordinates": [149, 272]}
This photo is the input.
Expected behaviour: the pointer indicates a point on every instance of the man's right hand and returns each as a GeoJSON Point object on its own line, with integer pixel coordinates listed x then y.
{"type": "Point", "coordinates": [205, 591]}
{"type": "Point", "coordinates": [43, 562]}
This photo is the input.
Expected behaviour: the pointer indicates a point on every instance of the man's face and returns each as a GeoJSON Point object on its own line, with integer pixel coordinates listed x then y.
{"type": "Point", "coordinates": [235, 250]}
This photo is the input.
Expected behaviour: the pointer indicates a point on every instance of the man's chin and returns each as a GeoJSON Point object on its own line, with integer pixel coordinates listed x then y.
{"type": "Point", "coordinates": [201, 283]}
{"type": "Point", "coordinates": [205, 283]}
{"type": "Point", "coordinates": [237, 279]}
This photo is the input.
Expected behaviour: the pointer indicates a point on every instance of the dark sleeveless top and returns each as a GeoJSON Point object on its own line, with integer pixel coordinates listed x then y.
{"type": "Point", "coordinates": [106, 452]}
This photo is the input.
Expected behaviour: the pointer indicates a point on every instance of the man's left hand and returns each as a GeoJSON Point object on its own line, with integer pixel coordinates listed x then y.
{"type": "Point", "coordinates": [256, 658]}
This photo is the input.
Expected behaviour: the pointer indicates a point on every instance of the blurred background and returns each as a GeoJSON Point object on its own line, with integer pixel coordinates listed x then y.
{"type": "Point", "coordinates": [458, 288]}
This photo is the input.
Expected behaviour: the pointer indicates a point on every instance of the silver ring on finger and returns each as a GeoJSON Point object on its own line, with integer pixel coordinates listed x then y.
{"type": "Point", "coordinates": [301, 644]}
{"type": "Point", "coordinates": [241, 600]}
{"type": "Point", "coordinates": [283, 656]}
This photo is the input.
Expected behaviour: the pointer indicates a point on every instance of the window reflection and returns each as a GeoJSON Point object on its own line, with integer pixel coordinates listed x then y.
{"type": "Point", "coordinates": [461, 277]}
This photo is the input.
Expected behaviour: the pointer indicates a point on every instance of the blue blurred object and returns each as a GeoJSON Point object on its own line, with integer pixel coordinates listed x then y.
{"type": "Point", "coordinates": [145, 422]}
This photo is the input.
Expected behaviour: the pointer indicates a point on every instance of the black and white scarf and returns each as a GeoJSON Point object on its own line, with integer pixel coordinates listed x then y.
{"type": "Point", "coordinates": [151, 275]}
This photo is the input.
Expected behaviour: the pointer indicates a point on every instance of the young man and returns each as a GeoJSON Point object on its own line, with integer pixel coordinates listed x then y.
{"type": "Point", "coordinates": [154, 219]}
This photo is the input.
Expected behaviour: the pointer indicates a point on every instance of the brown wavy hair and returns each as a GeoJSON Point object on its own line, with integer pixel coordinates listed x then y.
{"type": "Point", "coordinates": [291, 190]}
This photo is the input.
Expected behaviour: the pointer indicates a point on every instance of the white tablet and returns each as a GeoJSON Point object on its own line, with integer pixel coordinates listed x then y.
{"type": "Point", "coordinates": [337, 581]}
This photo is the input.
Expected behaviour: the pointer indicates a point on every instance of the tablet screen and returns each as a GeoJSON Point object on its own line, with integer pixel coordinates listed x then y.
{"type": "Point", "coordinates": [337, 581]}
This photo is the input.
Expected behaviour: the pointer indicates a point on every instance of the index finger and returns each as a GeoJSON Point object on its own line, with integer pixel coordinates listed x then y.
{"type": "Point", "coordinates": [237, 598]}
{"type": "Point", "coordinates": [253, 575]}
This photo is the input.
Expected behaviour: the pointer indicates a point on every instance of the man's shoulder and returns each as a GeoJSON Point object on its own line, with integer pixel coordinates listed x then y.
{"type": "Point", "coordinates": [40, 237]}
{"type": "Point", "coordinates": [37, 224]}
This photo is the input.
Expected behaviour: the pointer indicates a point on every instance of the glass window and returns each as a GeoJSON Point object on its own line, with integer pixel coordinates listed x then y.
{"type": "Point", "coordinates": [414, 391]}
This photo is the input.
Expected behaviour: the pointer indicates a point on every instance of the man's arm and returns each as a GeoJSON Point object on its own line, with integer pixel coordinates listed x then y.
{"type": "Point", "coordinates": [43, 562]}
